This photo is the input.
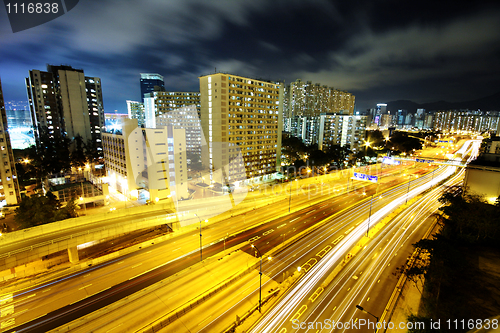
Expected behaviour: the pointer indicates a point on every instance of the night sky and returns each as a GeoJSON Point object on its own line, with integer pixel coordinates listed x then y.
{"type": "Point", "coordinates": [378, 50]}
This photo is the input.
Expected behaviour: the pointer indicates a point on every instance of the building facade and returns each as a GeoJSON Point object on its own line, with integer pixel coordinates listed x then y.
{"type": "Point", "coordinates": [308, 99]}
{"type": "Point", "coordinates": [147, 163]}
{"type": "Point", "coordinates": [63, 102]}
{"type": "Point", "coordinates": [135, 110]}
{"type": "Point", "coordinates": [241, 119]}
{"type": "Point", "coordinates": [180, 110]}
{"type": "Point", "coordinates": [341, 130]}
{"type": "Point", "coordinates": [467, 121]}
{"type": "Point", "coordinates": [151, 82]}
{"type": "Point", "coordinates": [9, 187]}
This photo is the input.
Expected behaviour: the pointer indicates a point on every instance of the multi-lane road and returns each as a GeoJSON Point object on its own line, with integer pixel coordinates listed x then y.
{"type": "Point", "coordinates": [54, 303]}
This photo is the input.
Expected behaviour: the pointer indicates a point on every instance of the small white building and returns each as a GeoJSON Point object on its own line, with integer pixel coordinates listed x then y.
{"type": "Point", "coordinates": [150, 160]}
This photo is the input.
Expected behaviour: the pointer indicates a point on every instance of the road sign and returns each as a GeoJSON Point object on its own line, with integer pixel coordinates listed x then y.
{"type": "Point", "coordinates": [362, 176]}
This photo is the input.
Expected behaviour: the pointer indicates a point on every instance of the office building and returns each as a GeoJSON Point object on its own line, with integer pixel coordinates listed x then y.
{"type": "Point", "coordinates": [151, 82]}
{"type": "Point", "coordinates": [64, 102]}
{"type": "Point", "coordinates": [241, 119]}
{"type": "Point", "coordinates": [9, 187]}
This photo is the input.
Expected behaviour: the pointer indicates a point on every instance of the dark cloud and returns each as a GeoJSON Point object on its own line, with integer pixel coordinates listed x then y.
{"type": "Point", "coordinates": [380, 51]}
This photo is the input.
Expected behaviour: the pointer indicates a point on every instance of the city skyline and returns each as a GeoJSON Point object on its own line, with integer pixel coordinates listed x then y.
{"type": "Point", "coordinates": [376, 51]}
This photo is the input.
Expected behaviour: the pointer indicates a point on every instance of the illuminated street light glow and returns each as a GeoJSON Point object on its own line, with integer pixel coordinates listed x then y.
{"type": "Point", "coordinates": [281, 311]}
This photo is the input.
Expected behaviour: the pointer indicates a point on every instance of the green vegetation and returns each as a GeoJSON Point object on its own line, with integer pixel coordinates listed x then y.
{"type": "Point", "coordinates": [453, 262]}
{"type": "Point", "coordinates": [296, 153]}
{"type": "Point", "coordinates": [38, 210]}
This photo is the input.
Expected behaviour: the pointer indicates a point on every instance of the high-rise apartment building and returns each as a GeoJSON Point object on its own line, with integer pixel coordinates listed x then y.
{"type": "Point", "coordinates": [306, 99]}
{"type": "Point", "coordinates": [135, 110]}
{"type": "Point", "coordinates": [9, 187]}
{"type": "Point", "coordinates": [180, 110]}
{"type": "Point", "coordinates": [63, 102]}
{"type": "Point", "coordinates": [241, 120]}
{"type": "Point", "coordinates": [469, 121]}
{"type": "Point", "coordinates": [335, 129]}
{"type": "Point", "coordinates": [331, 129]}
{"type": "Point", "coordinates": [151, 82]}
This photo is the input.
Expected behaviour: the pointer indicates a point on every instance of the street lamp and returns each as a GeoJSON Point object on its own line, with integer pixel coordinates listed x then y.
{"type": "Point", "coordinates": [201, 251]}
{"type": "Point", "coordinates": [369, 216]}
{"type": "Point", "coordinates": [409, 182]}
{"type": "Point", "coordinates": [84, 205]}
{"type": "Point", "coordinates": [260, 273]}
{"type": "Point", "coordinates": [361, 309]}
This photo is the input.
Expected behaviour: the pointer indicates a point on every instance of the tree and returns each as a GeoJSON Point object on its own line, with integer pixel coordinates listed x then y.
{"type": "Point", "coordinates": [91, 152]}
{"type": "Point", "coordinates": [376, 138]}
{"type": "Point", "coordinates": [318, 158]}
{"type": "Point", "coordinates": [293, 148]}
{"type": "Point", "coordinates": [38, 210]}
{"type": "Point", "coordinates": [338, 155]}
{"type": "Point", "coordinates": [402, 142]}
{"type": "Point", "coordinates": [78, 157]}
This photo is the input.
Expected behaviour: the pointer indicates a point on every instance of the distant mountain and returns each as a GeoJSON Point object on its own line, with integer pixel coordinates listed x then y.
{"type": "Point", "coordinates": [489, 103]}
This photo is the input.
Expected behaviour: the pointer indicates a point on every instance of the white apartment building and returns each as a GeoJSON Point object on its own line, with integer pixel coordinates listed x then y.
{"type": "Point", "coordinates": [147, 163]}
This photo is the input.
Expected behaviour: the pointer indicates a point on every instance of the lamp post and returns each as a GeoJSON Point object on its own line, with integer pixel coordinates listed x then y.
{"type": "Point", "coordinates": [260, 273]}
{"type": "Point", "coordinates": [290, 198]}
{"type": "Point", "coordinates": [376, 318]}
{"type": "Point", "coordinates": [408, 191]}
{"type": "Point", "coordinates": [369, 216]}
{"type": "Point", "coordinates": [201, 250]}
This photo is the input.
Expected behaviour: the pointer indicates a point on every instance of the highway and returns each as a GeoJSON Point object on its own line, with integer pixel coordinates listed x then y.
{"type": "Point", "coordinates": [296, 255]}
{"type": "Point", "coordinates": [366, 279]}
{"type": "Point", "coordinates": [56, 302]}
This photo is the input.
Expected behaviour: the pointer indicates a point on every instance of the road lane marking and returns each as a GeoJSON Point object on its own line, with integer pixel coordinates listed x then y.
{"type": "Point", "coordinates": [6, 299]}
{"type": "Point", "coordinates": [8, 310]}
{"type": "Point", "coordinates": [311, 212]}
{"type": "Point", "coordinates": [268, 232]}
{"type": "Point", "coordinates": [294, 219]}
{"type": "Point", "coordinates": [308, 264]}
{"type": "Point", "coordinates": [337, 240]}
{"type": "Point", "coordinates": [8, 323]}
{"type": "Point", "coordinates": [85, 286]}
{"type": "Point", "coordinates": [176, 249]}
{"type": "Point", "coordinates": [349, 230]}
{"type": "Point", "coordinates": [205, 320]}
{"type": "Point", "coordinates": [299, 313]}
{"type": "Point", "coordinates": [27, 297]}
{"type": "Point", "coordinates": [137, 265]}
{"type": "Point", "coordinates": [113, 328]}
{"type": "Point", "coordinates": [324, 251]}
{"type": "Point", "coordinates": [316, 294]}
{"type": "Point", "coordinates": [368, 299]}
{"type": "Point", "coordinates": [284, 224]}
{"type": "Point", "coordinates": [251, 240]}
{"type": "Point", "coordinates": [334, 308]}
{"type": "Point", "coordinates": [283, 330]}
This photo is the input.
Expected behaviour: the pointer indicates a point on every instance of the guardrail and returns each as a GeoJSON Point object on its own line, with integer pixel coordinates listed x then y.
{"type": "Point", "coordinates": [83, 233]}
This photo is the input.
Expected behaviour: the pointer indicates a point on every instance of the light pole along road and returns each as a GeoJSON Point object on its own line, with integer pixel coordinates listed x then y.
{"type": "Point", "coordinates": [311, 300]}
